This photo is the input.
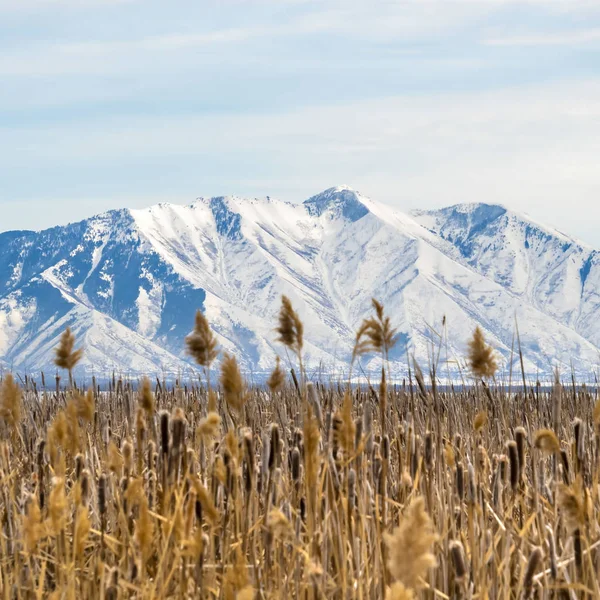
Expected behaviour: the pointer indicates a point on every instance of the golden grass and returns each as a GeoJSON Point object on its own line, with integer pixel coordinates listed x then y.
{"type": "Point", "coordinates": [296, 490]}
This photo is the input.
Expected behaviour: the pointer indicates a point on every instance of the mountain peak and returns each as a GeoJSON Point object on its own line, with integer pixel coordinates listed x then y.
{"type": "Point", "coordinates": [340, 201]}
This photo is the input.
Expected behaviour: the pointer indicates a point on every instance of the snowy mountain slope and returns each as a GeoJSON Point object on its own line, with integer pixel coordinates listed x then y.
{"type": "Point", "coordinates": [556, 273]}
{"type": "Point", "coordinates": [128, 282]}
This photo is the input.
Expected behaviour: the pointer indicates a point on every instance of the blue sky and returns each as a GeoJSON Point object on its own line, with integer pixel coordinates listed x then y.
{"type": "Point", "coordinates": [108, 103]}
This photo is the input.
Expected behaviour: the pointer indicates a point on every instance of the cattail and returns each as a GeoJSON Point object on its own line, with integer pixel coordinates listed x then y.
{"type": "Point", "coordinates": [428, 450]}
{"type": "Point", "coordinates": [513, 459]}
{"type": "Point", "coordinates": [102, 495]}
{"type": "Point", "coordinates": [276, 380]}
{"type": "Point", "coordinates": [65, 355]}
{"type": "Point", "coordinates": [85, 487]}
{"type": "Point", "coordinates": [481, 356]}
{"type": "Point", "coordinates": [596, 417]}
{"type": "Point", "coordinates": [368, 427]}
{"type": "Point", "coordinates": [179, 426]}
{"type": "Point", "coordinates": [112, 591]}
{"type": "Point", "coordinates": [546, 441]}
{"type": "Point", "coordinates": [565, 465]}
{"type": "Point", "coordinates": [460, 481]}
{"type": "Point", "coordinates": [532, 565]}
{"type": "Point", "coordinates": [295, 467]}
{"type": "Point", "coordinates": [458, 560]}
{"type": "Point", "coordinates": [127, 452]}
{"type": "Point", "coordinates": [10, 401]}
{"type": "Point", "coordinates": [409, 546]}
{"type": "Point", "coordinates": [208, 507]}
{"type": "Point", "coordinates": [232, 383]}
{"type": "Point", "coordinates": [79, 466]}
{"type": "Point", "coordinates": [164, 432]}
{"type": "Point", "coordinates": [351, 489]}
{"type": "Point", "coordinates": [552, 552]}
{"type": "Point", "coordinates": [520, 438]}
{"type": "Point", "coordinates": [275, 454]}
{"type": "Point", "coordinates": [201, 343]}
{"type": "Point", "coordinates": [290, 329]}
{"type": "Point", "coordinates": [313, 398]}
{"type": "Point", "coordinates": [579, 448]}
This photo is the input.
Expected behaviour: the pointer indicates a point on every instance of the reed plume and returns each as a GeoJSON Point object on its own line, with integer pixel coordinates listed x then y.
{"type": "Point", "coordinates": [290, 328]}
{"type": "Point", "coordinates": [276, 380]}
{"type": "Point", "coordinates": [66, 357]}
{"type": "Point", "coordinates": [546, 441]}
{"type": "Point", "coordinates": [10, 401]}
{"type": "Point", "coordinates": [410, 546]}
{"type": "Point", "coordinates": [481, 356]}
{"type": "Point", "coordinates": [201, 343]}
{"type": "Point", "coordinates": [232, 383]}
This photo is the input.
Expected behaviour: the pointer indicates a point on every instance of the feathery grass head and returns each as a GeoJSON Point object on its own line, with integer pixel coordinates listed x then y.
{"type": "Point", "coordinates": [546, 441]}
{"type": "Point", "coordinates": [398, 591]}
{"type": "Point", "coordinates": [375, 334]}
{"type": "Point", "coordinates": [66, 357]}
{"type": "Point", "coordinates": [573, 503]}
{"type": "Point", "coordinates": [290, 328]}
{"type": "Point", "coordinates": [481, 356]}
{"type": "Point", "coordinates": [10, 401]}
{"type": "Point", "coordinates": [209, 426]}
{"type": "Point", "coordinates": [346, 431]}
{"type": "Point", "coordinates": [146, 397]}
{"type": "Point", "coordinates": [277, 378]}
{"type": "Point", "coordinates": [410, 546]}
{"type": "Point", "coordinates": [480, 421]}
{"type": "Point", "coordinates": [232, 383]}
{"type": "Point", "coordinates": [201, 342]}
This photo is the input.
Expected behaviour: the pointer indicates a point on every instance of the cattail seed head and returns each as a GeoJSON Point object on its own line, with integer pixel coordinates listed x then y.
{"type": "Point", "coordinates": [532, 566]}
{"type": "Point", "coordinates": [429, 450]}
{"type": "Point", "coordinates": [178, 423]}
{"type": "Point", "coordinates": [102, 491]}
{"type": "Point", "coordinates": [458, 560]}
{"type": "Point", "coordinates": [521, 438]}
{"type": "Point", "coordinates": [164, 431]}
{"type": "Point", "coordinates": [513, 459]}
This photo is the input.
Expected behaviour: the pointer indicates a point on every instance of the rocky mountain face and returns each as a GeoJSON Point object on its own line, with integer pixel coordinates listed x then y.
{"type": "Point", "coordinates": [128, 283]}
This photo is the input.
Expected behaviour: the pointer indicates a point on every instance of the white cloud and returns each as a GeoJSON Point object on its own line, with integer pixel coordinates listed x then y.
{"type": "Point", "coordinates": [560, 38]}
{"type": "Point", "coordinates": [533, 149]}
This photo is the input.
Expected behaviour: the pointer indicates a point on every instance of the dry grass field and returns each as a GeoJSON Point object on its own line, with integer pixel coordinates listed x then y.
{"type": "Point", "coordinates": [215, 489]}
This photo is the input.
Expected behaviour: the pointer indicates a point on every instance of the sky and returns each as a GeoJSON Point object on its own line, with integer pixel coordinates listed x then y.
{"type": "Point", "coordinates": [116, 103]}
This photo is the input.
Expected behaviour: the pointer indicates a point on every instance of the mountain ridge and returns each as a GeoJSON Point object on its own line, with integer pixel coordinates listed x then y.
{"type": "Point", "coordinates": [128, 281]}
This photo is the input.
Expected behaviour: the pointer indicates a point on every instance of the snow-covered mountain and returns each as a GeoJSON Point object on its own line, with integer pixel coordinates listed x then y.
{"type": "Point", "coordinates": [128, 282]}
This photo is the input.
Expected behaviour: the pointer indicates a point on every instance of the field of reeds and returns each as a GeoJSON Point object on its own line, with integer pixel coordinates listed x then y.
{"type": "Point", "coordinates": [214, 489]}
